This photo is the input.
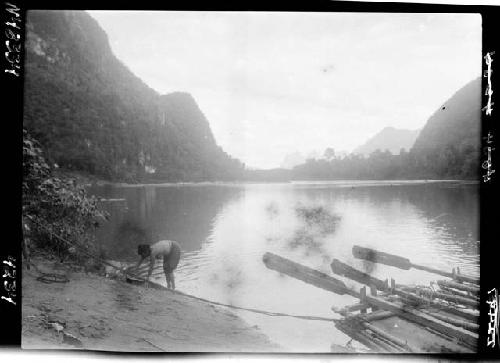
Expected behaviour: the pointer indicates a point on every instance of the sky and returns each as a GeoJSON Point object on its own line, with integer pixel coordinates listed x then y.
{"type": "Point", "coordinates": [271, 84]}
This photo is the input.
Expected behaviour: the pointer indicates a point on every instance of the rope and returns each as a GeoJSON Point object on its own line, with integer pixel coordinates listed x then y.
{"type": "Point", "coordinates": [48, 278]}
{"type": "Point", "coordinates": [258, 311]}
{"type": "Point", "coordinates": [51, 278]}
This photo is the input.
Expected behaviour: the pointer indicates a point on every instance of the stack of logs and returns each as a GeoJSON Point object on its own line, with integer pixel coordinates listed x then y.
{"type": "Point", "coordinates": [450, 312]}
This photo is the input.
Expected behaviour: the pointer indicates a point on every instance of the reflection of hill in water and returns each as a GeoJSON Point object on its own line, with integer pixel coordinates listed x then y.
{"type": "Point", "coordinates": [184, 214]}
{"type": "Point", "coordinates": [453, 208]}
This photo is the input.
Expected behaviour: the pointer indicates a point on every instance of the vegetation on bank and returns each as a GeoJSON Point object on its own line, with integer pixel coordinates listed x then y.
{"type": "Point", "coordinates": [56, 208]}
{"type": "Point", "coordinates": [381, 165]}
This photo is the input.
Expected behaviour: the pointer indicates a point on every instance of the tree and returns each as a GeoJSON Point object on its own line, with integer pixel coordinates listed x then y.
{"type": "Point", "coordinates": [329, 153]}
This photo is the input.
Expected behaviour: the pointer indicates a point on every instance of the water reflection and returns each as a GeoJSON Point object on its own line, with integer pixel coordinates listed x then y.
{"type": "Point", "coordinates": [225, 229]}
{"type": "Point", "coordinates": [451, 210]}
{"type": "Point", "coordinates": [184, 214]}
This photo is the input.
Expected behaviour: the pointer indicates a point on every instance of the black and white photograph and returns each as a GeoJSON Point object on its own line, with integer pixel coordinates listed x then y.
{"type": "Point", "coordinates": [253, 181]}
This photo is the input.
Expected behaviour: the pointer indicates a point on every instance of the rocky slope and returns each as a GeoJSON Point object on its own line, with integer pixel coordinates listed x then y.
{"type": "Point", "coordinates": [93, 115]}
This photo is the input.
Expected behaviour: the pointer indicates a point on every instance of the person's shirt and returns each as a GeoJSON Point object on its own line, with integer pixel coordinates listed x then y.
{"type": "Point", "coordinates": [161, 248]}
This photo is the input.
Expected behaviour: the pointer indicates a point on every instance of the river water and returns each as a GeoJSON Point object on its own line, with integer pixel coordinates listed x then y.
{"type": "Point", "coordinates": [224, 229]}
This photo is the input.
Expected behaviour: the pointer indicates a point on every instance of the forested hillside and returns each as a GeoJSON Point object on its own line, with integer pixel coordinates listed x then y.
{"type": "Point", "coordinates": [449, 144]}
{"type": "Point", "coordinates": [448, 147]}
{"type": "Point", "coordinates": [92, 114]}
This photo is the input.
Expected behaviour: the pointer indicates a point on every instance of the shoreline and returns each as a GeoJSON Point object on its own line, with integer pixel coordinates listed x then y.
{"type": "Point", "coordinates": [92, 312]}
{"type": "Point", "coordinates": [91, 180]}
{"type": "Point", "coordinates": [339, 183]}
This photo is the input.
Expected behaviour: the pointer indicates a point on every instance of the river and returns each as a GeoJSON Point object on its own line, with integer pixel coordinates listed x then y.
{"type": "Point", "coordinates": [224, 229]}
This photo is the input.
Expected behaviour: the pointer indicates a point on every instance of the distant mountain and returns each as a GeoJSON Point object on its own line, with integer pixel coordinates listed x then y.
{"type": "Point", "coordinates": [93, 115]}
{"type": "Point", "coordinates": [293, 159]}
{"type": "Point", "coordinates": [448, 147]}
{"type": "Point", "coordinates": [449, 144]}
{"type": "Point", "coordinates": [389, 138]}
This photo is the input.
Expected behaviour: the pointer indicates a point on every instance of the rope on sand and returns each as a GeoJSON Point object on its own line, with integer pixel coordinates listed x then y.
{"type": "Point", "coordinates": [121, 270]}
{"type": "Point", "coordinates": [258, 311]}
{"type": "Point", "coordinates": [49, 278]}
{"type": "Point", "coordinates": [154, 345]}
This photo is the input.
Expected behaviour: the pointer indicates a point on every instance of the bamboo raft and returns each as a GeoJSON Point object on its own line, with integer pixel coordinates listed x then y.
{"type": "Point", "coordinates": [395, 318]}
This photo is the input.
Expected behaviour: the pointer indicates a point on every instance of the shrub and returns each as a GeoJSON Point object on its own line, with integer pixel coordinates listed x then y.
{"type": "Point", "coordinates": [56, 206]}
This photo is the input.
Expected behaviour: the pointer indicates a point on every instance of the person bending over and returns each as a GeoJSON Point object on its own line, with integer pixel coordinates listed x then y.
{"type": "Point", "coordinates": [171, 253]}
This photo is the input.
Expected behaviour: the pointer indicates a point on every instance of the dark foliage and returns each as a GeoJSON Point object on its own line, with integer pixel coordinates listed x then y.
{"type": "Point", "coordinates": [55, 206]}
{"type": "Point", "coordinates": [449, 144]}
{"type": "Point", "coordinates": [93, 115]}
{"type": "Point", "coordinates": [383, 165]}
{"type": "Point", "coordinates": [379, 165]}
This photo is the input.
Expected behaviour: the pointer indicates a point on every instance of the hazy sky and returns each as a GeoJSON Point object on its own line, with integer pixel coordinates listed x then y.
{"type": "Point", "coordinates": [275, 83]}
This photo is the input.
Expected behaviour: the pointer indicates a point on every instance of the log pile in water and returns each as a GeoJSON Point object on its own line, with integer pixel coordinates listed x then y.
{"type": "Point", "coordinates": [442, 321]}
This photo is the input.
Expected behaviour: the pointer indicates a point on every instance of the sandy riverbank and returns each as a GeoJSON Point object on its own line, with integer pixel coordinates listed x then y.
{"type": "Point", "coordinates": [98, 313]}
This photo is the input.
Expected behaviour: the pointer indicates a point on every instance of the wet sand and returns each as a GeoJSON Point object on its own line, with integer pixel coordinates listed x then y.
{"type": "Point", "coordinates": [97, 313]}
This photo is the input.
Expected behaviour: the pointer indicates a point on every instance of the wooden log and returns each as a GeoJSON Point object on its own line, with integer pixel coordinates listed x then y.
{"type": "Point", "coordinates": [359, 335]}
{"type": "Point", "coordinates": [350, 308]}
{"type": "Point", "coordinates": [452, 347]}
{"type": "Point", "coordinates": [403, 263]}
{"type": "Point", "coordinates": [439, 334]}
{"type": "Point", "coordinates": [456, 285]}
{"type": "Point", "coordinates": [373, 291]}
{"type": "Point", "coordinates": [375, 256]}
{"type": "Point", "coordinates": [449, 290]}
{"type": "Point", "coordinates": [347, 271]}
{"type": "Point", "coordinates": [450, 298]}
{"type": "Point", "coordinates": [387, 345]}
{"type": "Point", "coordinates": [454, 276]}
{"type": "Point", "coordinates": [473, 327]}
{"type": "Point", "coordinates": [424, 319]}
{"type": "Point", "coordinates": [374, 315]}
{"type": "Point", "coordinates": [469, 315]}
{"type": "Point", "coordinates": [378, 315]}
{"type": "Point", "coordinates": [397, 341]}
{"type": "Point", "coordinates": [329, 283]}
{"type": "Point", "coordinates": [371, 336]}
{"type": "Point", "coordinates": [306, 274]}
{"type": "Point", "coordinates": [353, 334]}
{"type": "Point", "coordinates": [362, 298]}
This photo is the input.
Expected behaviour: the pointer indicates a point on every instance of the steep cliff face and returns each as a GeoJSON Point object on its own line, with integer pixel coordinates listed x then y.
{"type": "Point", "coordinates": [92, 114]}
{"type": "Point", "coordinates": [180, 110]}
{"type": "Point", "coordinates": [449, 144]}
